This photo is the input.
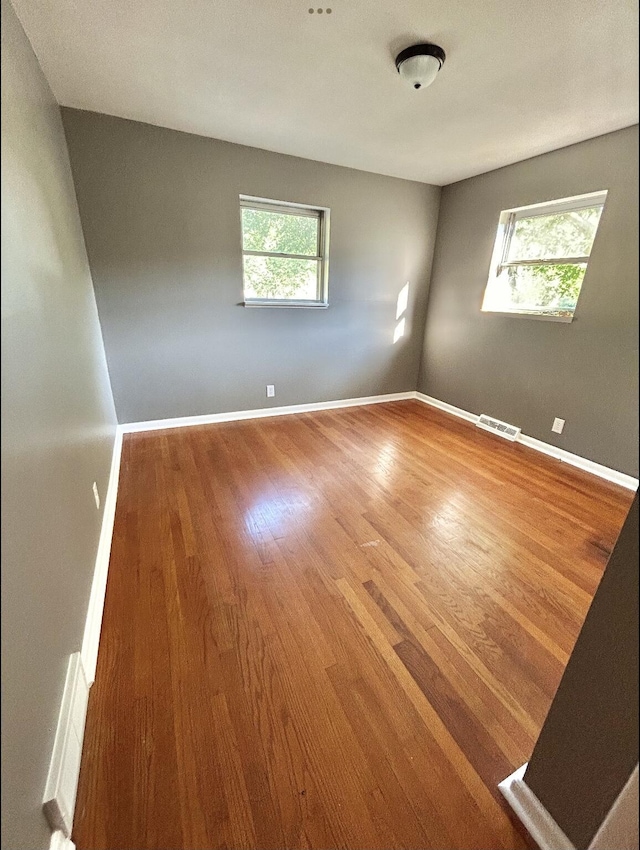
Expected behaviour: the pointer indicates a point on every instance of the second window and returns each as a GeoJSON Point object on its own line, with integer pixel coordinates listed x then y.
{"type": "Point", "coordinates": [541, 255]}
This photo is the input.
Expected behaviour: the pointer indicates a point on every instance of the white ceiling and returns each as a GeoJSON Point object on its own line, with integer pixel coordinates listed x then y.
{"type": "Point", "coordinates": [521, 77]}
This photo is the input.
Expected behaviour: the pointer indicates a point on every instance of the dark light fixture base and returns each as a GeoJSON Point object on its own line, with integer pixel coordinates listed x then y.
{"type": "Point", "coordinates": [421, 50]}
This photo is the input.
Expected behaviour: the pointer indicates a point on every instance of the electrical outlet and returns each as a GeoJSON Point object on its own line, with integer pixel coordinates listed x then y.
{"type": "Point", "coordinates": [96, 495]}
{"type": "Point", "coordinates": [271, 391]}
{"type": "Point", "coordinates": [558, 425]}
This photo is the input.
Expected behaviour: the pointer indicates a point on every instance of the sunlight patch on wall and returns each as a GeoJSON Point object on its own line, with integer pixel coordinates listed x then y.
{"type": "Point", "coordinates": [403, 300]}
{"type": "Point", "coordinates": [401, 308]}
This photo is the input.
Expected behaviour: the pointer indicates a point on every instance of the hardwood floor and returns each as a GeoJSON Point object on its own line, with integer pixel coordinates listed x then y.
{"type": "Point", "coordinates": [333, 630]}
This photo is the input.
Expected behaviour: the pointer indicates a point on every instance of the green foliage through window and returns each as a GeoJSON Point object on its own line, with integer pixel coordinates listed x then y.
{"type": "Point", "coordinates": [296, 236]}
{"type": "Point", "coordinates": [279, 278]}
{"type": "Point", "coordinates": [550, 287]}
{"type": "Point", "coordinates": [281, 233]}
{"type": "Point", "coordinates": [520, 284]}
{"type": "Point", "coordinates": [565, 234]}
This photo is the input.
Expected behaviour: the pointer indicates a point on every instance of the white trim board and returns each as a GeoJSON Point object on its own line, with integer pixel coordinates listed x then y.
{"type": "Point", "coordinates": [93, 623]}
{"type": "Point", "coordinates": [64, 769]}
{"type": "Point", "coordinates": [448, 408]}
{"type": "Point", "coordinates": [59, 841]}
{"type": "Point", "coordinates": [627, 481]}
{"type": "Point", "coordinates": [59, 798]}
{"type": "Point", "coordinates": [539, 823]}
{"type": "Point", "coordinates": [259, 413]}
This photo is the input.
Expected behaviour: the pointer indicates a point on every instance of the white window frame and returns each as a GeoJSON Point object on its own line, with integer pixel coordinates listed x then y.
{"type": "Point", "coordinates": [322, 214]}
{"type": "Point", "coordinates": [506, 227]}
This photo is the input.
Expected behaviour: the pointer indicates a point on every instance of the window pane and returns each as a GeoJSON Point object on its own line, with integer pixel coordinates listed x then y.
{"type": "Point", "coordinates": [279, 232]}
{"type": "Point", "coordinates": [550, 290]}
{"type": "Point", "coordinates": [280, 278]}
{"type": "Point", "coordinates": [566, 234]}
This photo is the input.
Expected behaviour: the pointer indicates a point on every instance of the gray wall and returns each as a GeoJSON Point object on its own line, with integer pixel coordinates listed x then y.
{"type": "Point", "coordinates": [162, 226]}
{"type": "Point", "coordinates": [526, 371]}
{"type": "Point", "coordinates": [58, 426]}
{"type": "Point", "coordinates": [588, 746]}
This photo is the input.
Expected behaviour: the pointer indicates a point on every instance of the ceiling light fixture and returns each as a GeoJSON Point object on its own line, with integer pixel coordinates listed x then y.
{"type": "Point", "coordinates": [419, 64]}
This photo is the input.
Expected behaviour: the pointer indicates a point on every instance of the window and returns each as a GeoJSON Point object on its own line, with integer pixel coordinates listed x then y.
{"type": "Point", "coordinates": [540, 257]}
{"type": "Point", "coordinates": [284, 253]}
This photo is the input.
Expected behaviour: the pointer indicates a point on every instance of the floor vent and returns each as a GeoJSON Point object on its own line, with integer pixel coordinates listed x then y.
{"type": "Point", "coordinates": [503, 429]}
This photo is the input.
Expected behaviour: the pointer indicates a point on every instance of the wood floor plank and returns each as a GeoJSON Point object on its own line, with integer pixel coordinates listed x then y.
{"type": "Point", "coordinates": [434, 727]}
{"type": "Point", "coordinates": [333, 630]}
{"type": "Point", "coordinates": [489, 711]}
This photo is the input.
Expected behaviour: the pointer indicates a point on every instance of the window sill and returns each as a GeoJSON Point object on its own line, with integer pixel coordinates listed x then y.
{"type": "Point", "coordinates": [540, 317]}
{"type": "Point", "coordinates": [287, 305]}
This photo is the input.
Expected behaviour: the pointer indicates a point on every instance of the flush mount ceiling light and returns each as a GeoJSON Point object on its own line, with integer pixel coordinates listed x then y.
{"type": "Point", "coordinates": [419, 64]}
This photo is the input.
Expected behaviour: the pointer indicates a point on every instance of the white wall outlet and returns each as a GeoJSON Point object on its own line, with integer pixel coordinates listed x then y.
{"type": "Point", "coordinates": [96, 495]}
{"type": "Point", "coordinates": [558, 425]}
{"type": "Point", "coordinates": [271, 391]}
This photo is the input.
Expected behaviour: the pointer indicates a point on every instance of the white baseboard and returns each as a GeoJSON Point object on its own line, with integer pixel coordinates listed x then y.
{"type": "Point", "coordinates": [539, 823]}
{"type": "Point", "coordinates": [59, 841]}
{"type": "Point", "coordinates": [259, 413]}
{"type": "Point", "coordinates": [448, 408]}
{"type": "Point", "coordinates": [93, 623]}
{"type": "Point", "coordinates": [62, 781]}
{"type": "Point", "coordinates": [583, 463]}
{"type": "Point", "coordinates": [627, 481]}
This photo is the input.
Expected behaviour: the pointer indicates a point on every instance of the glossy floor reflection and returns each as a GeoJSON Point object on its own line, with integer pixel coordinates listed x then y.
{"type": "Point", "coordinates": [337, 629]}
